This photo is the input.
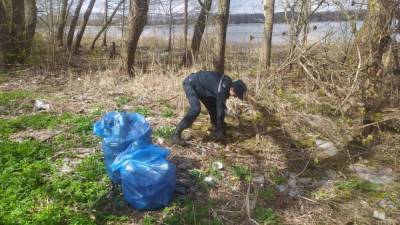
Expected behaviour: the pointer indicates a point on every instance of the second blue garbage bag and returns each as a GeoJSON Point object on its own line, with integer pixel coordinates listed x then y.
{"type": "Point", "coordinates": [119, 130]}
{"type": "Point", "coordinates": [148, 178]}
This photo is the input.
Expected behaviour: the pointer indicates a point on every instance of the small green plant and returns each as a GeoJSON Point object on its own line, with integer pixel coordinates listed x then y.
{"type": "Point", "coordinates": [149, 220]}
{"type": "Point", "coordinates": [242, 172]}
{"type": "Point", "coordinates": [122, 100]}
{"type": "Point", "coordinates": [82, 125]}
{"type": "Point", "coordinates": [168, 112]}
{"type": "Point", "coordinates": [267, 216]}
{"type": "Point", "coordinates": [348, 189]}
{"type": "Point", "coordinates": [164, 132]}
{"type": "Point", "coordinates": [145, 111]}
{"type": "Point", "coordinates": [267, 193]}
{"type": "Point", "coordinates": [358, 185]}
{"type": "Point", "coordinates": [193, 213]}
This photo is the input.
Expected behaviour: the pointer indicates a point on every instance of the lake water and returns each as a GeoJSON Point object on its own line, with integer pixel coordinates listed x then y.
{"type": "Point", "coordinates": [240, 33]}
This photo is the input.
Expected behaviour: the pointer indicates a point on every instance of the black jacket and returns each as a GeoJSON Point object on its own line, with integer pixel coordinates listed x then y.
{"type": "Point", "coordinates": [208, 84]}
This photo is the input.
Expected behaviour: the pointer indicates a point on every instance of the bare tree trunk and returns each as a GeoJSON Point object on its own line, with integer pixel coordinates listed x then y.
{"type": "Point", "coordinates": [136, 22]}
{"type": "Point", "coordinates": [69, 8]}
{"type": "Point", "coordinates": [105, 27]}
{"type": "Point", "coordinates": [18, 30]}
{"type": "Point", "coordinates": [268, 28]}
{"type": "Point", "coordinates": [123, 18]}
{"type": "Point", "coordinates": [306, 11]}
{"type": "Point", "coordinates": [4, 35]}
{"type": "Point", "coordinates": [74, 21]}
{"type": "Point", "coordinates": [222, 24]}
{"type": "Point", "coordinates": [79, 36]}
{"type": "Point", "coordinates": [185, 35]}
{"type": "Point", "coordinates": [199, 28]}
{"type": "Point", "coordinates": [105, 22]}
{"type": "Point", "coordinates": [374, 35]}
{"type": "Point", "coordinates": [170, 23]}
{"type": "Point", "coordinates": [50, 17]}
{"type": "Point", "coordinates": [61, 24]}
{"type": "Point", "coordinates": [30, 22]}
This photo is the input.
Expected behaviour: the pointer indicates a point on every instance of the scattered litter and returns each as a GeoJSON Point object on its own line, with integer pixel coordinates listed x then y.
{"type": "Point", "coordinates": [282, 188]}
{"type": "Point", "coordinates": [160, 141]}
{"type": "Point", "coordinates": [327, 148]}
{"type": "Point", "coordinates": [217, 165]}
{"type": "Point", "coordinates": [373, 175]}
{"type": "Point", "coordinates": [210, 180]}
{"type": "Point", "coordinates": [379, 214]}
{"type": "Point", "coordinates": [41, 105]}
{"type": "Point", "coordinates": [259, 180]}
{"type": "Point", "coordinates": [386, 203]}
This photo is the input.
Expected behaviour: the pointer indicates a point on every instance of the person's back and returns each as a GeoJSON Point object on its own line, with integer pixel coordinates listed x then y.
{"type": "Point", "coordinates": [211, 84]}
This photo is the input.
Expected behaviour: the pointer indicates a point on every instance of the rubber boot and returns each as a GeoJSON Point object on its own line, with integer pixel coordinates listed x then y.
{"type": "Point", "coordinates": [176, 137]}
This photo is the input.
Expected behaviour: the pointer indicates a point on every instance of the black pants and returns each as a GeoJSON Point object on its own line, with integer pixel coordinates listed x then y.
{"type": "Point", "coordinates": [195, 108]}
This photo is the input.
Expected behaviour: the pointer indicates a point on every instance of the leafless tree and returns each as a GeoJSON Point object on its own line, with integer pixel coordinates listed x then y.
{"type": "Point", "coordinates": [73, 23]}
{"type": "Point", "coordinates": [105, 22]}
{"type": "Point", "coordinates": [30, 22]}
{"type": "Point", "coordinates": [18, 30]}
{"type": "Point", "coordinates": [62, 22]}
{"type": "Point", "coordinates": [199, 28]}
{"type": "Point", "coordinates": [268, 28]}
{"type": "Point", "coordinates": [105, 26]}
{"type": "Point", "coordinates": [136, 22]}
{"type": "Point", "coordinates": [375, 34]}
{"type": "Point", "coordinates": [4, 35]}
{"type": "Point", "coordinates": [81, 31]}
{"type": "Point", "coordinates": [185, 35]}
{"type": "Point", "coordinates": [222, 25]}
{"type": "Point", "coordinates": [298, 14]}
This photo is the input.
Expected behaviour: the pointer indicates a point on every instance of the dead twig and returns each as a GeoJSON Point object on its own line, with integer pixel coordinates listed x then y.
{"type": "Point", "coordinates": [354, 83]}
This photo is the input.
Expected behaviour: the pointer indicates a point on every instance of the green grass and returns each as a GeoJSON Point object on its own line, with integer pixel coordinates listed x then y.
{"type": "Point", "coordinates": [164, 132]}
{"type": "Point", "coordinates": [149, 220]}
{"type": "Point", "coordinates": [242, 172]}
{"type": "Point", "coordinates": [191, 212]}
{"type": "Point", "coordinates": [267, 193]}
{"type": "Point", "coordinates": [145, 111]}
{"type": "Point", "coordinates": [32, 189]}
{"type": "Point", "coordinates": [354, 186]}
{"type": "Point", "coordinates": [358, 185]}
{"type": "Point", "coordinates": [122, 100]}
{"type": "Point", "coordinates": [266, 216]}
{"type": "Point", "coordinates": [8, 98]}
{"type": "Point", "coordinates": [168, 112]}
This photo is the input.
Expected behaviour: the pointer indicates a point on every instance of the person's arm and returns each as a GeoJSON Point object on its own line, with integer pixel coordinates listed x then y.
{"type": "Point", "coordinates": [221, 99]}
{"type": "Point", "coordinates": [222, 95]}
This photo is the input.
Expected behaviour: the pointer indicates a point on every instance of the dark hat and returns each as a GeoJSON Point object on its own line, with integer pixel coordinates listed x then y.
{"type": "Point", "coordinates": [240, 88]}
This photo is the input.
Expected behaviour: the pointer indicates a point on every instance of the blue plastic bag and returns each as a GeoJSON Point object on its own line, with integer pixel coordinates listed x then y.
{"type": "Point", "coordinates": [148, 178]}
{"type": "Point", "coordinates": [119, 130]}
